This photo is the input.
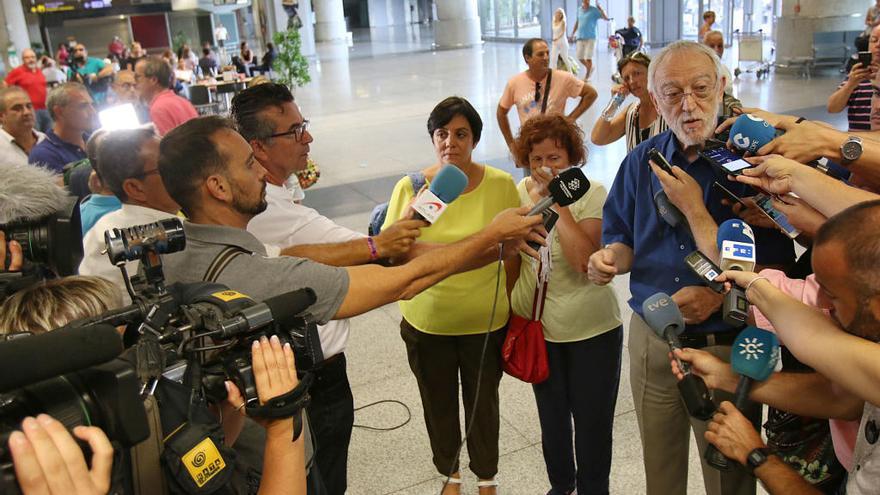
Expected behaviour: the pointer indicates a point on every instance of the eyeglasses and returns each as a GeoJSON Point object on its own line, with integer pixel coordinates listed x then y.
{"type": "Point", "coordinates": [537, 92]}
{"type": "Point", "coordinates": [297, 132]}
{"type": "Point", "coordinates": [145, 174]}
{"type": "Point", "coordinates": [700, 92]}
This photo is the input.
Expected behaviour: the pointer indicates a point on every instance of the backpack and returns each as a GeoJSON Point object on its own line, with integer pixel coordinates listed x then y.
{"type": "Point", "coordinates": [380, 211]}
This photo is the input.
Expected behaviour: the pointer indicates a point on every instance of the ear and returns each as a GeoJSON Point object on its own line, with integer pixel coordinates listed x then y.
{"type": "Point", "coordinates": [134, 190]}
{"type": "Point", "coordinates": [219, 188]}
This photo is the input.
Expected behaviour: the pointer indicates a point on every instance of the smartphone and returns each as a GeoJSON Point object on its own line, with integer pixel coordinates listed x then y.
{"type": "Point", "coordinates": [765, 203]}
{"type": "Point", "coordinates": [550, 218]}
{"type": "Point", "coordinates": [660, 161]}
{"type": "Point", "coordinates": [706, 269]}
{"type": "Point", "coordinates": [725, 160]}
{"type": "Point", "coordinates": [726, 192]}
{"type": "Point", "coordinates": [865, 58]}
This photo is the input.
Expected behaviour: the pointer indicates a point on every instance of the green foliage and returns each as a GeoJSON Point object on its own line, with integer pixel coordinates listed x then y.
{"type": "Point", "coordinates": [290, 64]}
{"type": "Point", "coordinates": [179, 40]}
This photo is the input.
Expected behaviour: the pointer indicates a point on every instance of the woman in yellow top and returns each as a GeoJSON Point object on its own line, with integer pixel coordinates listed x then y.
{"type": "Point", "coordinates": [445, 326]}
{"type": "Point", "coordinates": [581, 321]}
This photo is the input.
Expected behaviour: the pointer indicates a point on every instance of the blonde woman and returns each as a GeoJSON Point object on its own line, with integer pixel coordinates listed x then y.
{"type": "Point", "coordinates": [559, 46]}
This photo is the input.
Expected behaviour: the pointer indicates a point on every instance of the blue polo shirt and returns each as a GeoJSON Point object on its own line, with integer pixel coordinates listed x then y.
{"type": "Point", "coordinates": [94, 207]}
{"type": "Point", "coordinates": [587, 22]}
{"type": "Point", "coordinates": [54, 154]}
{"type": "Point", "coordinates": [630, 217]}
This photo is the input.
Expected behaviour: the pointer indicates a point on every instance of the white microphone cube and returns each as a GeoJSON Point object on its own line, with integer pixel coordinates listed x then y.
{"type": "Point", "coordinates": [429, 206]}
{"type": "Point", "coordinates": [737, 256]}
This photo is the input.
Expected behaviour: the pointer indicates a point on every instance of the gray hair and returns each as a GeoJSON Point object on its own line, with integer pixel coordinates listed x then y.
{"type": "Point", "coordinates": [8, 91]}
{"type": "Point", "coordinates": [59, 96]}
{"type": "Point", "coordinates": [120, 158]}
{"type": "Point", "coordinates": [160, 69]}
{"type": "Point", "coordinates": [683, 46]}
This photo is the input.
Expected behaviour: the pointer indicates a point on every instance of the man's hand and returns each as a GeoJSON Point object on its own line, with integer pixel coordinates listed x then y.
{"type": "Point", "coordinates": [859, 73]}
{"type": "Point", "coordinates": [683, 191]}
{"type": "Point", "coordinates": [804, 142]}
{"type": "Point", "coordinates": [16, 258]}
{"type": "Point", "coordinates": [48, 461]}
{"type": "Point", "coordinates": [733, 434]}
{"type": "Point", "coordinates": [398, 238]}
{"type": "Point", "coordinates": [772, 173]}
{"type": "Point", "coordinates": [514, 224]}
{"type": "Point", "coordinates": [716, 373]}
{"type": "Point", "coordinates": [774, 119]}
{"type": "Point", "coordinates": [750, 213]}
{"type": "Point", "coordinates": [602, 266]}
{"type": "Point", "coordinates": [801, 215]}
{"type": "Point", "coordinates": [274, 373]}
{"type": "Point", "coordinates": [696, 303]}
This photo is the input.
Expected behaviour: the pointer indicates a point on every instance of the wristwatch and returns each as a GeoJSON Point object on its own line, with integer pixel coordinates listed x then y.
{"type": "Point", "coordinates": [851, 150]}
{"type": "Point", "coordinates": [756, 458]}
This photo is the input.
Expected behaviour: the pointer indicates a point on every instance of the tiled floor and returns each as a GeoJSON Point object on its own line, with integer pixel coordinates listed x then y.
{"type": "Point", "coordinates": [368, 106]}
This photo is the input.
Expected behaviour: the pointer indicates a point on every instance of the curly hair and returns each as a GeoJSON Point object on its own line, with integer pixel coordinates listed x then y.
{"type": "Point", "coordinates": [537, 129]}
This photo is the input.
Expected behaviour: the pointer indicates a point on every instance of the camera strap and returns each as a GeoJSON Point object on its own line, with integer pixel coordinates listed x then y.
{"type": "Point", "coordinates": [286, 405]}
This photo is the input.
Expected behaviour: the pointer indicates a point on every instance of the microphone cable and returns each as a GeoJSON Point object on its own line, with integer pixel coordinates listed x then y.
{"type": "Point", "coordinates": [384, 401]}
{"type": "Point", "coordinates": [479, 368]}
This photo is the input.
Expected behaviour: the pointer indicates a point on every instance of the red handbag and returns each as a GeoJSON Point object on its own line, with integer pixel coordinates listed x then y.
{"type": "Point", "coordinates": [524, 353]}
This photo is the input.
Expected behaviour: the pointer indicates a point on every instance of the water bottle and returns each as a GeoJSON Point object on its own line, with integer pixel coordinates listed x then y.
{"type": "Point", "coordinates": [613, 106]}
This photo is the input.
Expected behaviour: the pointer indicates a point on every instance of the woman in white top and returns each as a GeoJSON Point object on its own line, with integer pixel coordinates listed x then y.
{"type": "Point", "coordinates": [641, 120]}
{"type": "Point", "coordinates": [559, 46]}
{"type": "Point", "coordinates": [581, 321]}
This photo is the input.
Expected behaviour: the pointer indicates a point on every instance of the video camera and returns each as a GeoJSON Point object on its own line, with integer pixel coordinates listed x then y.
{"type": "Point", "coordinates": [197, 334]}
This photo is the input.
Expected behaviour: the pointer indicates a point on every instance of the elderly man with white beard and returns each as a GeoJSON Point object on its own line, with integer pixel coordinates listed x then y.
{"type": "Point", "coordinates": [686, 83]}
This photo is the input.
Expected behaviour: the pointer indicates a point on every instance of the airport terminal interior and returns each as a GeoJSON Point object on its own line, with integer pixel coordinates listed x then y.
{"type": "Point", "coordinates": [372, 88]}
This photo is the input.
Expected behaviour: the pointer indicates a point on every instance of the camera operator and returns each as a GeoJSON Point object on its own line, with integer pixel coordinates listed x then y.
{"type": "Point", "coordinates": [843, 351]}
{"type": "Point", "coordinates": [54, 303]}
{"type": "Point", "coordinates": [128, 166]}
{"type": "Point", "coordinates": [12, 249]}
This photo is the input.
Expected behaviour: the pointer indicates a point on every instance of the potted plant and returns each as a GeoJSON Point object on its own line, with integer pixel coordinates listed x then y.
{"type": "Point", "coordinates": [290, 65]}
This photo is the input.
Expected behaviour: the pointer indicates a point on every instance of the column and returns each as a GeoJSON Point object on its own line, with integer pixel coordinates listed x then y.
{"type": "Point", "coordinates": [330, 20]}
{"type": "Point", "coordinates": [458, 24]}
{"type": "Point", "coordinates": [16, 27]}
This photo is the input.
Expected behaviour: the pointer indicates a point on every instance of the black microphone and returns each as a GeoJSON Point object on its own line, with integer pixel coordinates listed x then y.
{"type": "Point", "coordinates": [40, 357]}
{"type": "Point", "coordinates": [566, 188]}
{"type": "Point", "coordinates": [280, 309]}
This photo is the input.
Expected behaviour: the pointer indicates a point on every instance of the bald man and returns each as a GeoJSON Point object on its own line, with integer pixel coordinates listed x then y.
{"type": "Point", "coordinates": [29, 77]}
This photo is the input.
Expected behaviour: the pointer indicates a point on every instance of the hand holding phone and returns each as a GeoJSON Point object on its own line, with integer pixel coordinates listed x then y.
{"type": "Point", "coordinates": [659, 160]}
{"type": "Point", "coordinates": [865, 58]}
{"type": "Point", "coordinates": [726, 160]}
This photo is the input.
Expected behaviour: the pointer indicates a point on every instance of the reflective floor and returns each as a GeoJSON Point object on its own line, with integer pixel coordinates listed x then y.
{"type": "Point", "coordinates": [368, 105]}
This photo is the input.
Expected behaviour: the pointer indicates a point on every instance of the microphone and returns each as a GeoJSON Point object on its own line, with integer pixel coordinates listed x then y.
{"type": "Point", "coordinates": [72, 349]}
{"type": "Point", "coordinates": [736, 244]}
{"type": "Point", "coordinates": [280, 309]}
{"type": "Point", "coordinates": [28, 193]}
{"type": "Point", "coordinates": [753, 356]}
{"type": "Point", "coordinates": [447, 185]}
{"type": "Point", "coordinates": [663, 316]}
{"type": "Point", "coordinates": [670, 213]}
{"type": "Point", "coordinates": [566, 188]}
{"type": "Point", "coordinates": [750, 133]}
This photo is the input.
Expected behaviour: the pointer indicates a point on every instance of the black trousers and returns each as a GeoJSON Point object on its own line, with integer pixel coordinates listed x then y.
{"type": "Point", "coordinates": [582, 388]}
{"type": "Point", "coordinates": [437, 361]}
{"type": "Point", "coordinates": [331, 412]}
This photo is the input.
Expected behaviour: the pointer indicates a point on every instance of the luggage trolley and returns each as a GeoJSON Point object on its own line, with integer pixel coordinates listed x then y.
{"type": "Point", "coordinates": [751, 49]}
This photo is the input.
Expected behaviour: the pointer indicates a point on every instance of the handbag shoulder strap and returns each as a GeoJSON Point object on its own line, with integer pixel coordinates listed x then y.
{"type": "Point", "coordinates": [540, 295]}
{"type": "Point", "coordinates": [547, 92]}
{"type": "Point", "coordinates": [223, 258]}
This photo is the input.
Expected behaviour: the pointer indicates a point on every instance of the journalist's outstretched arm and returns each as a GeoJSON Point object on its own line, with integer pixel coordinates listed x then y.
{"type": "Point", "coordinates": [372, 286]}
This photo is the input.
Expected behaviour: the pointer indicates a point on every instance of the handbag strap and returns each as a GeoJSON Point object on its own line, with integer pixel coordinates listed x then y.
{"type": "Point", "coordinates": [540, 290]}
{"type": "Point", "coordinates": [547, 93]}
{"type": "Point", "coordinates": [223, 258]}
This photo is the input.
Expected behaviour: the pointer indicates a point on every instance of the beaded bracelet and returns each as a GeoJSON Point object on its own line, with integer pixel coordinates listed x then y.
{"type": "Point", "coordinates": [374, 253]}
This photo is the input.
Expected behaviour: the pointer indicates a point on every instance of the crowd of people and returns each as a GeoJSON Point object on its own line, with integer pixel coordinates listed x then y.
{"type": "Point", "coordinates": [461, 279]}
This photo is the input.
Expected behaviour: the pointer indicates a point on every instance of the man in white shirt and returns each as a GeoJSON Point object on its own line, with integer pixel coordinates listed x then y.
{"type": "Point", "coordinates": [271, 122]}
{"type": "Point", "coordinates": [128, 166]}
{"type": "Point", "coordinates": [18, 118]}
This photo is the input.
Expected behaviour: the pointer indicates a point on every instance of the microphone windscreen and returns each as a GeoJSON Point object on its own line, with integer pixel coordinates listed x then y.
{"type": "Point", "coordinates": [754, 353]}
{"type": "Point", "coordinates": [290, 304]}
{"type": "Point", "coordinates": [750, 133]}
{"type": "Point", "coordinates": [660, 312]}
{"type": "Point", "coordinates": [448, 184]}
{"type": "Point", "coordinates": [569, 186]}
{"type": "Point", "coordinates": [734, 230]}
{"type": "Point", "coordinates": [28, 192]}
{"type": "Point", "coordinates": [39, 357]}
